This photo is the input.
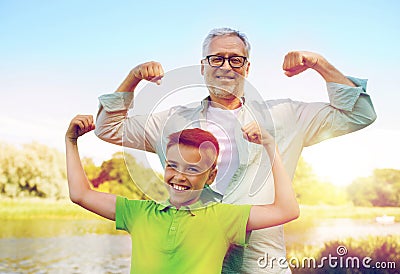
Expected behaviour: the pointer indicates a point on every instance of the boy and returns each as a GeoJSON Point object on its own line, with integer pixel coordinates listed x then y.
{"type": "Point", "coordinates": [183, 236]}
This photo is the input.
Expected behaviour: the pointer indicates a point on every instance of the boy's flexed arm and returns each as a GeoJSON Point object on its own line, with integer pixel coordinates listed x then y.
{"type": "Point", "coordinates": [285, 207]}
{"type": "Point", "coordinates": [80, 192]}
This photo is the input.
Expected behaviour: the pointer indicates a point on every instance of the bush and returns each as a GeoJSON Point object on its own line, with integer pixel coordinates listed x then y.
{"type": "Point", "coordinates": [350, 256]}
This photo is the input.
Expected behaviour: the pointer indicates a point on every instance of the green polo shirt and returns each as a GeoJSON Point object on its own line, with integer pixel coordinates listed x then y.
{"type": "Point", "coordinates": [190, 240]}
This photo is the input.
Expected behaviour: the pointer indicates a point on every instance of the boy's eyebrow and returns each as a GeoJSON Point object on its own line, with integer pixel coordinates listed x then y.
{"type": "Point", "coordinates": [196, 166]}
{"type": "Point", "coordinates": [174, 162]}
{"type": "Point", "coordinates": [170, 161]}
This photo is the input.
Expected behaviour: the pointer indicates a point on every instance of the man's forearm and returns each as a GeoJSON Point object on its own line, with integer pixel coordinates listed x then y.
{"type": "Point", "coordinates": [129, 84]}
{"type": "Point", "coordinates": [330, 73]}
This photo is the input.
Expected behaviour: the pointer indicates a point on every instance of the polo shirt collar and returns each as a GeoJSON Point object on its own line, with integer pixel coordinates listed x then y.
{"type": "Point", "coordinates": [189, 208]}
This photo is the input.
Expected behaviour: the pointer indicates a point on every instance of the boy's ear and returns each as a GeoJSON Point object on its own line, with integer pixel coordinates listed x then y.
{"type": "Point", "coordinates": [211, 176]}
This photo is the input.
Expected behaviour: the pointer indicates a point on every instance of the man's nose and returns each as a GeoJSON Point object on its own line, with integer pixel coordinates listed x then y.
{"type": "Point", "coordinates": [226, 65]}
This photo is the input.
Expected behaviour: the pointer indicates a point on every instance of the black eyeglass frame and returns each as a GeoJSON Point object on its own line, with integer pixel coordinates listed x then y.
{"type": "Point", "coordinates": [226, 58]}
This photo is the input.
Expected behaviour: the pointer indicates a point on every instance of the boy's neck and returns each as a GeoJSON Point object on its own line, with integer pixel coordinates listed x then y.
{"type": "Point", "coordinates": [186, 203]}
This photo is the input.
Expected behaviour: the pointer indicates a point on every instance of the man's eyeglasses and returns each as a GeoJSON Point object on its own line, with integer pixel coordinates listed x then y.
{"type": "Point", "coordinates": [217, 61]}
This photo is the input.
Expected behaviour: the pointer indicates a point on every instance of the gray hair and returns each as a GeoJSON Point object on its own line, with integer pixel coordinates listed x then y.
{"type": "Point", "coordinates": [225, 31]}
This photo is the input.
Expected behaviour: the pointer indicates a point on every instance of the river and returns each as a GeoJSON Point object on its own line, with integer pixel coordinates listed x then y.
{"type": "Point", "coordinates": [92, 246]}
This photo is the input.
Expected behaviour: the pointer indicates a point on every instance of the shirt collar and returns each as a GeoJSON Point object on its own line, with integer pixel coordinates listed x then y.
{"type": "Point", "coordinates": [206, 102]}
{"type": "Point", "coordinates": [189, 208]}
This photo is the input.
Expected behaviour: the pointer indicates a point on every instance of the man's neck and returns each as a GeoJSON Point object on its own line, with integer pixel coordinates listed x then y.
{"type": "Point", "coordinates": [228, 103]}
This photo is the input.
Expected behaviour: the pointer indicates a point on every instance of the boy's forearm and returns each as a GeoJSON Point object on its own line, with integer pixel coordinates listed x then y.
{"type": "Point", "coordinates": [285, 197]}
{"type": "Point", "coordinates": [285, 207]}
{"type": "Point", "coordinates": [80, 192]}
{"type": "Point", "coordinates": [78, 183]}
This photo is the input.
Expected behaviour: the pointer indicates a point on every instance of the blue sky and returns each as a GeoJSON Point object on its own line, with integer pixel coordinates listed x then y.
{"type": "Point", "coordinates": [57, 57]}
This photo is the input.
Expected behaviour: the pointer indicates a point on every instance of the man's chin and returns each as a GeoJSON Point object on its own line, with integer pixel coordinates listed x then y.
{"type": "Point", "coordinates": [224, 93]}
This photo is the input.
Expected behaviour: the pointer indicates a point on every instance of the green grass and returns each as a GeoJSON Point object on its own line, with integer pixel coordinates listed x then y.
{"type": "Point", "coordinates": [348, 211]}
{"type": "Point", "coordinates": [36, 218]}
{"type": "Point", "coordinates": [26, 209]}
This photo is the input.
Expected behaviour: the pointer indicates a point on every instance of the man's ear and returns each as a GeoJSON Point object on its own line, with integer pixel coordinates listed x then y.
{"type": "Point", "coordinates": [211, 176]}
{"type": "Point", "coordinates": [202, 67]}
{"type": "Point", "coordinates": [247, 69]}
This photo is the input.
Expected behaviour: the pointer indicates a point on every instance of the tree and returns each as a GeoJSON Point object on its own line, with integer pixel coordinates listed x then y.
{"type": "Point", "coordinates": [33, 170]}
{"type": "Point", "coordinates": [92, 171]}
{"type": "Point", "coordinates": [115, 177]}
{"type": "Point", "coordinates": [380, 189]}
{"type": "Point", "coordinates": [311, 191]}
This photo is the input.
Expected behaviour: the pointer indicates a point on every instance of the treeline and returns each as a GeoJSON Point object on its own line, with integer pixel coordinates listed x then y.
{"type": "Point", "coordinates": [35, 170]}
{"type": "Point", "coordinates": [380, 189]}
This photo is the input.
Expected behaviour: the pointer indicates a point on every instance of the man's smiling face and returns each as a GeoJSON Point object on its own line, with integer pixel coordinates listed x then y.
{"type": "Point", "coordinates": [225, 81]}
{"type": "Point", "coordinates": [187, 170]}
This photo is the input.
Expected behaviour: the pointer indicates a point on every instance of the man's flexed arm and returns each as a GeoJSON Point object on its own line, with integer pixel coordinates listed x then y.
{"type": "Point", "coordinates": [150, 71]}
{"type": "Point", "coordinates": [80, 191]}
{"type": "Point", "coordinates": [285, 207]}
{"type": "Point", "coordinates": [112, 116]}
{"type": "Point", "coordinates": [296, 62]}
{"type": "Point", "coordinates": [350, 107]}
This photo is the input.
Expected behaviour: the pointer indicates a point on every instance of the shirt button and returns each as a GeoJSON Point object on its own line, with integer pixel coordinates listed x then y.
{"type": "Point", "coordinates": [173, 228]}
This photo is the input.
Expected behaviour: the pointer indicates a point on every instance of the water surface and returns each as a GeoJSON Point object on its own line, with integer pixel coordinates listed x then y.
{"type": "Point", "coordinates": [93, 246]}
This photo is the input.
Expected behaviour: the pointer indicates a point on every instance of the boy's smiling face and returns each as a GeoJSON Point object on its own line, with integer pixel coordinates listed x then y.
{"type": "Point", "coordinates": [187, 170]}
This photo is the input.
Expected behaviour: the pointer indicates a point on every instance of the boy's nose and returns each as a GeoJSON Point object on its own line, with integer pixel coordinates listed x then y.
{"type": "Point", "coordinates": [180, 176]}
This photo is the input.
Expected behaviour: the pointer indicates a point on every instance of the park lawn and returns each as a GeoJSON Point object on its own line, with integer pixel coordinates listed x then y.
{"type": "Point", "coordinates": [348, 211]}
{"type": "Point", "coordinates": [35, 208]}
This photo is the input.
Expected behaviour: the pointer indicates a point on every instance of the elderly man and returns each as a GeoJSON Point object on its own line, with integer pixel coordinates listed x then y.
{"type": "Point", "coordinates": [225, 112]}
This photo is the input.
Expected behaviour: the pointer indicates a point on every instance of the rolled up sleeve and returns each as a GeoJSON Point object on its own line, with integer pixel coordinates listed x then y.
{"type": "Point", "coordinates": [350, 109]}
{"type": "Point", "coordinates": [111, 116]}
{"type": "Point", "coordinates": [344, 97]}
{"type": "Point", "coordinates": [114, 125]}
{"type": "Point", "coordinates": [118, 101]}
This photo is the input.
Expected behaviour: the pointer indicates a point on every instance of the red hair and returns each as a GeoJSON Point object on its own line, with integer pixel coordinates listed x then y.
{"type": "Point", "coordinates": [194, 137]}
